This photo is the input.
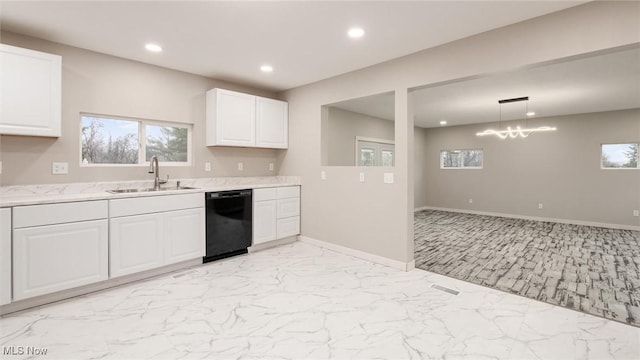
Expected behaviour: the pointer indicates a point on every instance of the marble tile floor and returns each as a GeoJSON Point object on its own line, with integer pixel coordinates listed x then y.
{"type": "Point", "coordinates": [299, 301]}
{"type": "Point", "coordinates": [585, 268]}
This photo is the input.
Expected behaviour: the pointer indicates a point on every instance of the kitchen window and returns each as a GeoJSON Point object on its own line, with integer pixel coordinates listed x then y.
{"type": "Point", "coordinates": [111, 140]}
{"type": "Point", "coordinates": [620, 156]}
{"type": "Point", "coordinates": [461, 159]}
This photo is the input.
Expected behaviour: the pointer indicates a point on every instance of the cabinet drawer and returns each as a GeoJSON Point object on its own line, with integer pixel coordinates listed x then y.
{"type": "Point", "coordinates": [288, 192]}
{"type": "Point", "coordinates": [288, 227]}
{"type": "Point", "coordinates": [265, 194]}
{"type": "Point", "coordinates": [154, 204]}
{"type": "Point", "coordinates": [38, 215]}
{"type": "Point", "coordinates": [288, 207]}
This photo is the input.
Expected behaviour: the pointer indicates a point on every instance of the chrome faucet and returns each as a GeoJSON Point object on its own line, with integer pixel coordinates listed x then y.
{"type": "Point", "coordinates": [155, 169]}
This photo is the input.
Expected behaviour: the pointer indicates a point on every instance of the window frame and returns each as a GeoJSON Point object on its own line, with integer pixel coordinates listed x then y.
{"type": "Point", "coordinates": [602, 167]}
{"type": "Point", "coordinates": [142, 140]}
{"type": "Point", "coordinates": [461, 167]}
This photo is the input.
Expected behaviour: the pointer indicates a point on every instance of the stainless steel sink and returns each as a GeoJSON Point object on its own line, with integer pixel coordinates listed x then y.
{"type": "Point", "coordinates": [137, 190]}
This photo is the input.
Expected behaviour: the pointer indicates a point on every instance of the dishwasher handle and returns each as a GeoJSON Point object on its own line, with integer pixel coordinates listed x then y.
{"type": "Point", "coordinates": [228, 194]}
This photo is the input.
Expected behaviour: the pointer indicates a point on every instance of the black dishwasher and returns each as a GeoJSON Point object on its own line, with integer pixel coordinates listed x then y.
{"type": "Point", "coordinates": [229, 217]}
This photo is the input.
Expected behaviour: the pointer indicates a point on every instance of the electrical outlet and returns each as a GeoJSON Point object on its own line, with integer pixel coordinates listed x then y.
{"type": "Point", "coordinates": [539, 205]}
{"type": "Point", "coordinates": [470, 201]}
{"type": "Point", "coordinates": [361, 177]}
{"type": "Point", "coordinates": [59, 168]}
{"type": "Point", "coordinates": [270, 166]}
{"type": "Point", "coordinates": [636, 213]}
{"type": "Point", "coordinates": [388, 178]}
{"type": "Point", "coordinates": [240, 166]}
{"type": "Point", "coordinates": [323, 175]}
{"type": "Point", "coordinates": [207, 166]}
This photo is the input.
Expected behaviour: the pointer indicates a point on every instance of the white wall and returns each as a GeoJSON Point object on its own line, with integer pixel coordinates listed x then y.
{"type": "Point", "coordinates": [376, 217]}
{"type": "Point", "coordinates": [102, 84]}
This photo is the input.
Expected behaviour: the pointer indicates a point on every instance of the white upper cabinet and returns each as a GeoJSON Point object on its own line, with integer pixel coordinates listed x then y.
{"type": "Point", "coordinates": [237, 119]}
{"type": "Point", "coordinates": [272, 123]}
{"type": "Point", "coordinates": [30, 92]}
{"type": "Point", "coordinates": [231, 118]}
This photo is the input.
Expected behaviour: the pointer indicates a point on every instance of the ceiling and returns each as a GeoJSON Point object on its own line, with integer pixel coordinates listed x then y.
{"type": "Point", "coordinates": [304, 41]}
{"type": "Point", "coordinates": [601, 82]}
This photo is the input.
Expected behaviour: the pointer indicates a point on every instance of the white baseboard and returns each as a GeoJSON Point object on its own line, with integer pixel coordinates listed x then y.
{"type": "Point", "coordinates": [270, 244]}
{"type": "Point", "coordinates": [534, 218]}
{"type": "Point", "coordinates": [360, 254]}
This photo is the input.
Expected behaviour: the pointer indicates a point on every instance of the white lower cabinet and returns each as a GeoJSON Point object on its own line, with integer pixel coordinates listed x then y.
{"type": "Point", "coordinates": [184, 235]}
{"type": "Point", "coordinates": [264, 221]}
{"type": "Point", "coordinates": [58, 247]}
{"type": "Point", "coordinates": [276, 213]}
{"type": "Point", "coordinates": [136, 244]}
{"type": "Point", "coordinates": [147, 233]}
{"type": "Point", "coordinates": [5, 256]}
{"type": "Point", "coordinates": [58, 257]}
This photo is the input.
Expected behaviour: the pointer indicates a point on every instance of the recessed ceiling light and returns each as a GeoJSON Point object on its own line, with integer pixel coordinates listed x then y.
{"type": "Point", "coordinates": [153, 47]}
{"type": "Point", "coordinates": [443, 122]}
{"type": "Point", "coordinates": [266, 68]}
{"type": "Point", "coordinates": [531, 113]}
{"type": "Point", "coordinates": [355, 33]}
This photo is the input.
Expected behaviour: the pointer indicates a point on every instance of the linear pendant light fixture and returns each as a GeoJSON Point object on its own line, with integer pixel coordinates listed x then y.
{"type": "Point", "coordinates": [517, 131]}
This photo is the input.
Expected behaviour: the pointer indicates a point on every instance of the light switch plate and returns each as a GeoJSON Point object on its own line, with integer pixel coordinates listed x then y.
{"type": "Point", "coordinates": [388, 178]}
{"type": "Point", "coordinates": [361, 177]}
{"type": "Point", "coordinates": [636, 213]}
{"type": "Point", "coordinates": [240, 166]}
{"type": "Point", "coordinates": [323, 175]}
{"type": "Point", "coordinates": [207, 166]}
{"type": "Point", "coordinates": [270, 166]}
{"type": "Point", "coordinates": [0, 167]}
{"type": "Point", "coordinates": [59, 168]}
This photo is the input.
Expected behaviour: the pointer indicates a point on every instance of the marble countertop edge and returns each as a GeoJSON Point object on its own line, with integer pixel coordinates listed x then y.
{"type": "Point", "coordinates": [22, 195]}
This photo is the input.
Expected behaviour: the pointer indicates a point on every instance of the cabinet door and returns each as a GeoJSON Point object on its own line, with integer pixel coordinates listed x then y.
{"type": "Point", "coordinates": [30, 84]}
{"type": "Point", "coordinates": [136, 244]}
{"type": "Point", "coordinates": [272, 123]}
{"type": "Point", "coordinates": [5, 256]}
{"type": "Point", "coordinates": [184, 235]}
{"type": "Point", "coordinates": [231, 118]}
{"type": "Point", "coordinates": [264, 221]}
{"type": "Point", "coordinates": [58, 257]}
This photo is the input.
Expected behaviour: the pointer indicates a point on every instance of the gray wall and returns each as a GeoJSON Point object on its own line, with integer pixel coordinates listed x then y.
{"type": "Point", "coordinates": [341, 129]}
{"type": "Point", "coordinates": [559, 169]}
{"type": "Point", "coordinates": [378, 218]}
{"type": "Point", "coordinates": [102, 84]}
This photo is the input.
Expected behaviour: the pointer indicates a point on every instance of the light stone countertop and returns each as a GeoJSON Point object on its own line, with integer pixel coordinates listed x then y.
{"type": "Point", "coordinates": [21, 195]}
